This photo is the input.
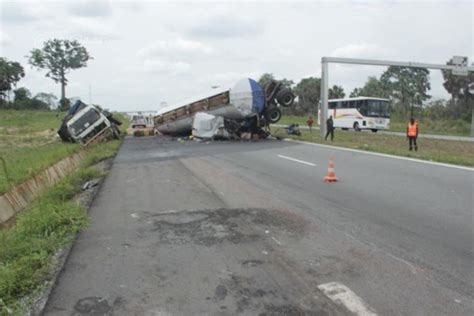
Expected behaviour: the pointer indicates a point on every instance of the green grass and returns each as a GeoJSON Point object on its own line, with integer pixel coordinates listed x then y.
{"type": "Point", "coordinates": [46, 226]}
{"type": "Point", "coordinates": [427, 126]}
{"type": "Point", "coordinates": [454, 152]}
{"type": "Point", "coordinates": [26, 248]}
{"type": "Point", "coordinates": [29, 144]}
{"type": "Point", "coordinates": [12, 121]}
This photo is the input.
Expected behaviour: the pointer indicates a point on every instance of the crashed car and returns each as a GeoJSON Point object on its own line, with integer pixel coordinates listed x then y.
{"type": "Point", "coordinates": [85, 124]}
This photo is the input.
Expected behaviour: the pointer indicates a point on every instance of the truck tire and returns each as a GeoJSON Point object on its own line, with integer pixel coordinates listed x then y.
{"type": "Point", "coordinates": [285, 97]}
{"type": "Point", "coordinates": [273, 114]}
{"type": "Point", "coordinates": [64, 133]}
{"type": "Point", "coordinates": [115, 132]}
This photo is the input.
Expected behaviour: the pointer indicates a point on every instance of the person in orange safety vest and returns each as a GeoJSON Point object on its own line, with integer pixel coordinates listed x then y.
{"type": "Point", "coordinates": [412, 133]}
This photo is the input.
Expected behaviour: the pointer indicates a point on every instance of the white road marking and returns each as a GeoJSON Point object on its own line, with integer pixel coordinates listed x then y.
{"type": "Point", "coordinates": [276, 240]}
{"type": "Point", "coordinates": [411, 266]}
{"type": "Point", "coordinates": [383, 155]}
{"type": "Point", "coordinates": [297, 160]}
{"type": "Point", "coordinates": [342, 295]}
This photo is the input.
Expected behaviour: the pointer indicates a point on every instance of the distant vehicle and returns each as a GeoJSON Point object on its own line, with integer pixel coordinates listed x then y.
{"type": "Point", "coordinates": [85, 123]}
{"type": "Point", "coordinates": [360, 113]}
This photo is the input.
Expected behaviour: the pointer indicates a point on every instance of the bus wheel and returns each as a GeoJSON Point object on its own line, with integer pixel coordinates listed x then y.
{"type": "Point", "coordinates": [356, 126]}
{"type": "Point", "coordinates": [374, 130]}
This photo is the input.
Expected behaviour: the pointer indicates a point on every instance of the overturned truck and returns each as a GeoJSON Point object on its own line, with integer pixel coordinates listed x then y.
{"type": "Point", "coordinates": [247, 100]}
{"type": "Point", "coordinates": [85, 124]}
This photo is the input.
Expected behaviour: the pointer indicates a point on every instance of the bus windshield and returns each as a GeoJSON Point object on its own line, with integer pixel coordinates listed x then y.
{"type": "Point", "coordinates": [375, 108]}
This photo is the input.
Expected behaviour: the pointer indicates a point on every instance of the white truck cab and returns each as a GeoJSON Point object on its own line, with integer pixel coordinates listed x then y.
{"type": "Point", "coordinates": [87, 124]}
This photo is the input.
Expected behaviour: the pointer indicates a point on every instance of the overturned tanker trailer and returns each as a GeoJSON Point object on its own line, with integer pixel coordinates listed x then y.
{"type": "Point", "coordinates": [247, 98]}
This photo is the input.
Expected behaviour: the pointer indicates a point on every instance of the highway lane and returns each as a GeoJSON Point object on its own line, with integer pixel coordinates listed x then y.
{"type": "Point", "coordinates": [396, 232]}
{"type": "Point", "coordinates": [420, 214]}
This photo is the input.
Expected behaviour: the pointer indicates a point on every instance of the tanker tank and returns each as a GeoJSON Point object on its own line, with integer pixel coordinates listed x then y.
{"type": "Point", "coordinates": [244, 99]}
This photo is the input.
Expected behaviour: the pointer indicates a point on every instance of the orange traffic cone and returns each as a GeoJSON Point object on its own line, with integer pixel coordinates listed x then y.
{"type": "Point", "coordinates": [331, 176]}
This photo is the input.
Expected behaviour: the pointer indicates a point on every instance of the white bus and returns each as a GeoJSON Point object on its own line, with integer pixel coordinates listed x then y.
{"type": "Point", "coordinates": [360, 113]}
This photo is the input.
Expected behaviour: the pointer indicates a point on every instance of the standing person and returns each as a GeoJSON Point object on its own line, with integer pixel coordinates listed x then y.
{"type": "Point", "coordinates": [329, 128]}
{"type": "Point", "coordinates": [412, 133]}
{"type": "Point", "coordinates": [310, 123]}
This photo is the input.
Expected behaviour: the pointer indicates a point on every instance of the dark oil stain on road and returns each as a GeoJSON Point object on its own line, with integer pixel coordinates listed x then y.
{"type": "Point", "coordinates": [96, 306]}
{"type": "Point", "coordinates": [211, 227]}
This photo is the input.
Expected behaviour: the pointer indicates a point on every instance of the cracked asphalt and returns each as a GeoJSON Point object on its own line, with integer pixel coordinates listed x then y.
{"type": "Point", "coordinates": [231, 228]}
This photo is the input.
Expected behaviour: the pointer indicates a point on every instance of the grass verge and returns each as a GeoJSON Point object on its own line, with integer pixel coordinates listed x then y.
{"type": "Point", "coordinates": [454, 152]}
{"type": "Point", "coordinates": [46, 226]}
{"type": "Point", "coordinates": [29, 144]}
{"type": "Point", "coordinates": [427, 126]}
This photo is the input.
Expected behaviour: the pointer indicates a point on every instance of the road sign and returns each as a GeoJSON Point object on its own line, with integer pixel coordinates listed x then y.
{"type": "Point", "coordinates": [460, 71]}
{"type": "Point", "coordinates": [460, 61]}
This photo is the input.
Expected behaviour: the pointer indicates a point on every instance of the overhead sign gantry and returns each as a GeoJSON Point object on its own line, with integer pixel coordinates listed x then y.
{"type": "Point", "coordinates": [459, 67]}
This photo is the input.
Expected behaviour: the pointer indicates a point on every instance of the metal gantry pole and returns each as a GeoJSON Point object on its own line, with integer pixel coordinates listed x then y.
{"type": "Point", "coordinates": [324, 98]}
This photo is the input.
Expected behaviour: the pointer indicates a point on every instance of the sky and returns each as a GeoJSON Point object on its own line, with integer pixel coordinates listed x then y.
{"type": "Point", "coordinates": [149, 52]}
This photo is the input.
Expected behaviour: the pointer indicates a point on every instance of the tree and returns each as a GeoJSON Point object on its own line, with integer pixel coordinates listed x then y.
{"type": "Point", "coordinates": [22, 94]}
{"type": "Point", "coordinates": [265, 78]}
{"type": "Point", "coordinates": [372, 88]}
{"type": "Point", "coordinates": [10, 73]}
{"type": "Point", "coordinates": [287, 82]}
{"type": "Point", "coordinates": [308, 91]}
{"type": "Point", "coordinates": [336, 92]}
{"type": "Point", "coordinates": [355, 93]}
{"type": "Point", "coordinates": [408, 85]}
{"type": "Point", "coordinates": [458, 87]}
{"type": "Point", "coordinates": [59, 57]}
{"type": "Point", "coordinates": [48, 98]}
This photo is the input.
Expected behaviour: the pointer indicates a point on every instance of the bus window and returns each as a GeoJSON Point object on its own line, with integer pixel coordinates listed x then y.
{"type": "Point", "coordinates": [363, 107]}
{"type": "Point", "coordinates": [385, 109]}
{"type": "Point", "coordinates": [332, 105]}
{"type": "Point", "coordinates": [373, 108]}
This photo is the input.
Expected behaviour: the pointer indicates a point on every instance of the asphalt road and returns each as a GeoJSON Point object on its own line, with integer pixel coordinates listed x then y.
{"type": "Point", "coordinates": [422, 135]}
{"type": "Point", "coordinates": [187, 228]}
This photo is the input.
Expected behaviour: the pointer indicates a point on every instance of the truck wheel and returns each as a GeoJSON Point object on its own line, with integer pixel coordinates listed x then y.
{"type": "Point", "coordinates": [115, 132]}
{"type": "Point", "coordinates": [356, 127]}
{"type": "Point", "coordinates": [273, 114]}
{"type": "Point", "coordinates": [64, 133]}
{"type": "Point", "coordinates": [285, 97]}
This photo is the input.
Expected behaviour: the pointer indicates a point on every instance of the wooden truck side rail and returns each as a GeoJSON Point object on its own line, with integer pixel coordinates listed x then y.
{"type": "Point", "coordinates": [193, 107]}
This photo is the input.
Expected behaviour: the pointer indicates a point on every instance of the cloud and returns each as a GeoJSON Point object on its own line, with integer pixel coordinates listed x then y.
{"type": "Point", "coordinates": [91, 9]}
{"type": "Point", "coordinates": [176, 47]}
{"type": "Point", "coordinates": [162, 67]}
{"type": "Point", "coordinates": [86, 29]}
{"type": "Point", "coordinates": [16, 12]}
{"type": "Point", "coordinates": [358, 50]}
{"type": "Point", "coordinates": [4, 38]}
{"type": "Point", "coordinates": [225, 26]}
{"type": "Point", "coordinates": [225, 79]}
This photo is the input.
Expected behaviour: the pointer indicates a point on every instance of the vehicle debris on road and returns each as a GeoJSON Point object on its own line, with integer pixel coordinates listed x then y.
{"type": "Point", "coordinates": [242, 112]}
